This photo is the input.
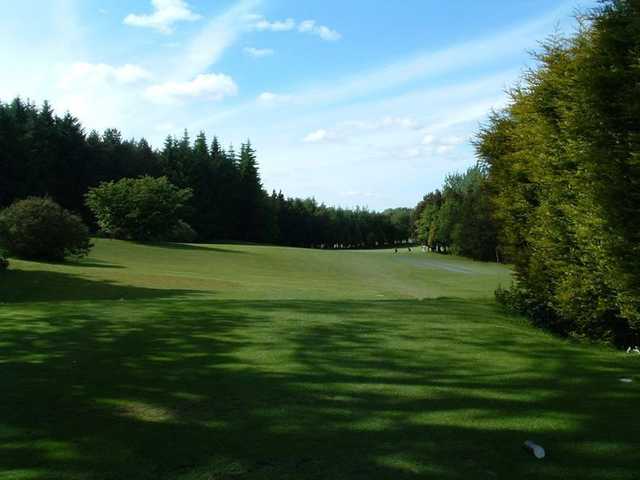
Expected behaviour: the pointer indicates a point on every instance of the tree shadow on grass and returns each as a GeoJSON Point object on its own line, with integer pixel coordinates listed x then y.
{"type": "Point", "coordinates": [194, 247]}
{"type": "Point", "coordinates": [222, 389]}
{"type": "Point", "coordinates": [18, 286]}
{"type": "Point", "coordinates": [82, 263]}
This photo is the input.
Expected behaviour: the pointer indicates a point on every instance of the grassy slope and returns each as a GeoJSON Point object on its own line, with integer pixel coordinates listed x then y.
{"type": "Point", "coordinates": [196, 362]}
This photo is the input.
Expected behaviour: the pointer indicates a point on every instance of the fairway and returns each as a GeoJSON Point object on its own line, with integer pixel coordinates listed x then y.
{"type": "Point", "coordinates": [178, 361]}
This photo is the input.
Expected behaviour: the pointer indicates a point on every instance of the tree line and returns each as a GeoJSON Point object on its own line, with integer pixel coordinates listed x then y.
{"type": "Point", "coordinates": [43, 154]}
{"type": "Point", "coordinates": [458, 219]}
{"type": "Point", "coordinates": [556, 191]}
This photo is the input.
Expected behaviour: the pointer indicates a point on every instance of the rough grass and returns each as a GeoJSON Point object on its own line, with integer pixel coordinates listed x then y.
{"type": "Point", "coordinates": [226, 361]}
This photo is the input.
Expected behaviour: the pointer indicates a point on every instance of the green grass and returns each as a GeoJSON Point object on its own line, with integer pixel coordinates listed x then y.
{"type": "Point", "coordinates": [233, 362]}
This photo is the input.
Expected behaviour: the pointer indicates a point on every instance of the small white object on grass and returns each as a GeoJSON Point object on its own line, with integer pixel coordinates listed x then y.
{"type": "Point", "coordinates": [626, 380]}
{"type": "Point", "coordinates": [534, 448]}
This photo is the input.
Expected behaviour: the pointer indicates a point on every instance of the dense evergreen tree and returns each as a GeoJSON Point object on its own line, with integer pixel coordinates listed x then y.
{"type": "Point", "coordinates": [564, 177]}
{"type": "Point", "coordinates": [251, 199]}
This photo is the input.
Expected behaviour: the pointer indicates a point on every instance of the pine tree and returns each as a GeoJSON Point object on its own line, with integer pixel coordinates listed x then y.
{"type": "Point", "coordinates": [251, 195]}
{"type": "Point", "coordinates": [201, 183]}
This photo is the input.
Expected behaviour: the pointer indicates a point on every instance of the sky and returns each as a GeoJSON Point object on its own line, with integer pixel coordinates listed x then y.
{"type": "Point", "coordinates": [355, 103]}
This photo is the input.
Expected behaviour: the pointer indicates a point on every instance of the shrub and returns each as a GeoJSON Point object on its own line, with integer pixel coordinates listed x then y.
{"type": "Point", "coordinates": [39, 228]}
{"type": "Point", "coordinates": [144, 208]}
{"type": "Point", "coordinates": [4, 261]}
{"type": "Point", "coordinates": [182, 232]}
{"type": "Point", "coordinates": [519, 300]}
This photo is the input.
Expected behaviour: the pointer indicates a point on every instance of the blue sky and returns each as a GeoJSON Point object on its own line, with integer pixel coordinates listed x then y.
{"type": "Point", "coordinates": [353, 102]}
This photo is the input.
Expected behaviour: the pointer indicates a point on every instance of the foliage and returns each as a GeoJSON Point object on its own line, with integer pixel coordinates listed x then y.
{"type": "Point", "coordinates": [4, 260]}
{"type": "Point", "coordinates": [182, 232]}
{"type": "Point", "coordinates": [39, 228]}
{"type": "Point", "coordinates": [458, 218]}
{"type": "Point", "coordinates": [564, 175]}
{"type": "Point", "coordinates": [144, 208]}
{"type": "Point", "coordinates": [305, 223]}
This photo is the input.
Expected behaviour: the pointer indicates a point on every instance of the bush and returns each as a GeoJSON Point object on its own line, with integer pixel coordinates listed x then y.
{"type": "Point", "coordinates": [4, 262]}
{"type": "Point", "coordinates": [519, 300]}
{"type": "Point", "coordinates": [182, 232]}
{"type": "Point", "coordinates": [144, 208]}
{"type": "Point", "coordinates": [39, 228]}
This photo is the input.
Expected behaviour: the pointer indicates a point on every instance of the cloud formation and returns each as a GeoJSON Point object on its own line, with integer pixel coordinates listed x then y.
{"type": "Point", "coordinates": [83, 72]}
{"type": "Point", "coordinates": [306, 26]}
{"type": "Point", "coordinates": [346, 130]}
{"type": "Point", "coordinates": [262, 24]}
{"type": "Point", "coordinates": [318, 136]}
{"type": "Point", "coordinates": [325, 33]}
{"type": "Point", "coordinates": [385, 123]}
{"type": "Point", "coordinates": [270, 98]}
{"type": "Point", "coordinates": [258, 52]}
{"type": "Point", "coordinates": [209, 44]}
{"type": "Point", "coordinates": [165, 14]}
{"type": "Point", "coordinates": [210, 86]}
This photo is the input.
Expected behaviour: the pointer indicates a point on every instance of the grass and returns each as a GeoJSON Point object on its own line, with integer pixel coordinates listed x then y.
{"type": "Point", "coordinates": [247, 362]}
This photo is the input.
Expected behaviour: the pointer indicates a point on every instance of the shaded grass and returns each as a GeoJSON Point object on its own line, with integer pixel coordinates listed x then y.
{"type": "Point", "coordinates": [24, 286]}
{"type": "Point", "coordinates": [187, 384]}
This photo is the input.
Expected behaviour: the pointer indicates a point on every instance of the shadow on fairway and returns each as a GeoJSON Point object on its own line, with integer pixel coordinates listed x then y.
{"type": "Point", "coordinates": [83, 263]}
{"type": "Point", "coordinates": [226, 389]}
{"type": "Point", "coordinates": [19, 286]}
{"type": "Point", "coordinates": [194, 247]}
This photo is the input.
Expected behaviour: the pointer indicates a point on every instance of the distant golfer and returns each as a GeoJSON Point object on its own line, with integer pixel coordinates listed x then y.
{"type": "Point", "coordinates": [395, 250]}
{"type": "Point", "coordinates": [409, 248]}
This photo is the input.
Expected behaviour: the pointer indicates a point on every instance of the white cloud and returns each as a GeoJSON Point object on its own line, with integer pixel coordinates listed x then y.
{"type": "Point", "coordinates": [207, 86]}
{"type": "Point", "coordinates": [428, 139]}
{"type": "Point", "coordinates": [210, 43]}
{"type": "Point", "coordinates": [317, 136]}
{"type": "Point", "coordinates": [267, 97]}
{"type": "Point", "coordinates": [306, 26]}
{"type": "Point", "coordinates": [434, 145]}
{"type": "Point", "coordinates": [165, 14]}
{"type": "Point", "coordinates": [270, 98]}
{"type": "Point", "coordinates": [322, 136]}
{"type": "Point", "coordinates": [358, 193]}
{"type": "Point", "coordinates": [263, 24]}
{"type": "Point", "coordinates": [452, 140]}
{"type": "Point", "coordinates": [82, 73]}
{"type": "Point", "coordinates": [442, 149]}
{"type": "Point", "coordinates": [325, 33]}
{"type": "Point", "coordinates": [404, 122]}
{"type": "Point", "coordinates": [385, 123]}
{"type": "Point", "coordinates": [165, 127]}
{"type": "Point", "coordinates": [449, 141]}
{"type": "Point", "coordinates": [413, 152]}
{"type": "Point", "coordinates": [258, 52]}
{"type": "Point", "coordinates": [345, 130]}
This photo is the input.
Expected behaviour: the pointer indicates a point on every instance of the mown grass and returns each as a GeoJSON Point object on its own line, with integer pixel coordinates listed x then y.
{"type": "Point", "coordinates": [226, 361]}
